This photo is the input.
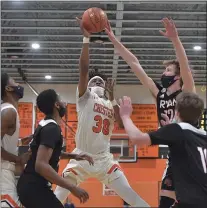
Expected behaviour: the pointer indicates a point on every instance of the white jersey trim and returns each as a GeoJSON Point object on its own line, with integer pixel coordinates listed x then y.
{"type": "Point", "coordinates": [45, 122]}
{"type": "Point", "coordinates": [8, 106]}
{"type": "Point", "coordinates": [188, 126]}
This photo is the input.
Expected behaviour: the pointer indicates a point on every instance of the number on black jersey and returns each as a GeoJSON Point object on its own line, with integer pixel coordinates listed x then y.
{"type": "Point", "coordinates": [203, 154]}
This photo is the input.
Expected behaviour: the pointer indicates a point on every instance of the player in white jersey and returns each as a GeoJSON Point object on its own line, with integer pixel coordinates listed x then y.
{"type": "Point", "coordinates": [11, 92]}
{"type": "Point", "coordinates": [96, 116]}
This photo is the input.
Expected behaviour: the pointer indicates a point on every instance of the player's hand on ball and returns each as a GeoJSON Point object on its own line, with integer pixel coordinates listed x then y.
{"type": "Point", "coordinates": [79, 193]}
{"type": "Point", "coordinates": [166, 120]}
{"type": "Point", "coordinates": [110, 88]}
{"type": "Point", "coordinates": [125, 107]}
{"type": "Point", "coordinates": [85, 157]}
{"type": "Point", "coordinates": [84, 31]}
{"type": "Point", "coordinates": [170, 29]}
{"type": "Point", "coordinates": [109, 31]}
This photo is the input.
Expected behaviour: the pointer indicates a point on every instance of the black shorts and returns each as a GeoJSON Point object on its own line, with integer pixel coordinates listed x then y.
{"type": "Point", "coordinates": [35, 194]}
{"type": "Point", "coordinates": [168, 182]}
{"type": "Point", "coordinates": [184, 205]}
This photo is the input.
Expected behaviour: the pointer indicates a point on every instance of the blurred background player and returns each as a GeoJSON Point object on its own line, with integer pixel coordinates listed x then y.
{"type": "Point", "coordinates": [11, 92]}
{"type": "Point", "coordinates": [176, 78]}
{"type": "Point", "coordinates": [96, 116]}
{"type": "Point", "coordinates": [34, 186]}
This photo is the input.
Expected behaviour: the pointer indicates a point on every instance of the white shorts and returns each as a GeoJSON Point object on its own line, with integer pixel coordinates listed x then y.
{"type": "Point", "coordinates": [104, 165]}
{"type": "Point", "coordinates": [9, 197]}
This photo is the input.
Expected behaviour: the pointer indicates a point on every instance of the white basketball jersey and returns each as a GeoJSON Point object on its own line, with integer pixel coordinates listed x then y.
{"type": "Point", "coordinates": [95, 123]}
{"type": "Point", "coordinates": [10, 143]}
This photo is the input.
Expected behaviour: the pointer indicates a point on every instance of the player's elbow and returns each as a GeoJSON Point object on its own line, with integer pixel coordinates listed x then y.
{"type": "Point", "coordinates": [40, 167]}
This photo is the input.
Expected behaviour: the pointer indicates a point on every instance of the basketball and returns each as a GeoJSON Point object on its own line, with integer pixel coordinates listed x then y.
{"type": "Point", "coordinates": [94, 20]}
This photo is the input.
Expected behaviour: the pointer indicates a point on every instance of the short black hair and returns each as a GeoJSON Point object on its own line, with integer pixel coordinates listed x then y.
{"type": "Point", "coordinates": [95, 72]}
{"type": "Point", "coordinates": [4, 83]}
{"type": "Point", "coordinates": [46, 100]}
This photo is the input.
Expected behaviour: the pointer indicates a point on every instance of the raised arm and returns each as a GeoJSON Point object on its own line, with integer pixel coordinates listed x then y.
{"type": "Point", "coordinates": [167, 135]}
{"type": "Point", "coordinates": [110, 89]}
{"type": "Point", "coordinates": [185, 72]}
{"type": "Point", "coordinates": [83, 62]}
{"type": "Point", "coordinates": [133, 62]}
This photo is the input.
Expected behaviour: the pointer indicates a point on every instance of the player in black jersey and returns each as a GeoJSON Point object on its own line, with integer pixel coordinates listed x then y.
{"type": "Point", "coordinates": [187, 144]}
{"type": "Point", "coordinates": [34, 185]}
{"type": "Point", "coordinates": [176, 77]}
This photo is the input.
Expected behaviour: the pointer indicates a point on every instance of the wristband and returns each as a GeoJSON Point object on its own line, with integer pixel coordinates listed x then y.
{"type": "Point", "coordinates": [86, 40]}
{"type": "Point", "coordinates": [114, 103]}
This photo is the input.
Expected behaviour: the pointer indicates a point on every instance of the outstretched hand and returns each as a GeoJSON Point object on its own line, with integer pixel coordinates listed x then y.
{"type": "Point", "coordinates": [166, 120]}
{"type": "Point", "coordinates": [85, 157]}
{"type": "Point", "coordinates": [170, 29]}
{"type": "Point", "coordinates": [80, 193]}
{"type": "Point", "coordinates": [109, 31]}
{"type": "Point", "coordinates": [84, 31]}
{"type": "Point", "coordinates": [125, 107]}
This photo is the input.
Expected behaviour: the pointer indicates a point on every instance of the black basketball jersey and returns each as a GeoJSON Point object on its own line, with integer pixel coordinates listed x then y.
{"type": "Point", "coordinates": [188, 147]}
{"type": "Point", "coordinates": [166, 103]}
{"type": "Point", "coordinates": [49, 134]}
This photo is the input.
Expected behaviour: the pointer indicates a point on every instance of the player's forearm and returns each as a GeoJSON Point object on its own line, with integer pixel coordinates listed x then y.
{"type": "Point", "coordinates": [185, 71]}
{"type": "Point", "coordinates": [84, 59]}
{"type": "Point", "coordinates": [65, 155]}
{"type": "Point", "coordinates": [9, 157]}
{"type": "Point", "coordinates": [116, 109]}
{"type": "Point", "coordinates": [132, 61]}
{"type": "Point", "coordinates": [117, 116]}
{"type": "Point", "coordinates": [46, 171]}
{"type": "Point", "coordinates": [124, 52]}
{"type": "Point", "coordinates": [135, 135]}
{"type": "Point", "coordinates": [84, 68]}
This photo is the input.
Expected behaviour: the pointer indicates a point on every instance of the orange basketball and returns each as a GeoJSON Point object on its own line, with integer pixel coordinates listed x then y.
{"type": "Point", "coordinates": [94, 20]}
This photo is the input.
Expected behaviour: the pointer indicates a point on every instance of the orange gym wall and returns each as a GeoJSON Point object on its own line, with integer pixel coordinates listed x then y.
{"type": "Point", "coordinates": [144, 177]}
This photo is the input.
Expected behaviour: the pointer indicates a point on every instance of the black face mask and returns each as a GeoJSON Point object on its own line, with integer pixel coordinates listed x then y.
{"type": "Point", "coordinates": [62, 111]}
{"type": "Point", "coordinates": [18, 90]}
{"type": "Point", "coordinates": [167, 81]}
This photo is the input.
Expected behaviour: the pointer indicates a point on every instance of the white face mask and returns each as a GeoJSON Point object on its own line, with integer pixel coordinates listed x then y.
{"type": "Point", "coordinates": [98, 90]}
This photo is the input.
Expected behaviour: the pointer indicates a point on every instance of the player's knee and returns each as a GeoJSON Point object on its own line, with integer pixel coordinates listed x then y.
{"type": "Point", "coordinates": [115, 175]}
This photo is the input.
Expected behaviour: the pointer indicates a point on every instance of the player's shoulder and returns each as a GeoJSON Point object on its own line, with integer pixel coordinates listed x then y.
{"type": "Point", "coordinates": [173, 129]}
{"type": "Point", "coordinates": [8, 107]}
{"type": "Point", "coordinates": [161, 95]}
{"type": "Point", "coordinates": [189, 127]}
{"type": "Point", "coordinates": [8, 111]}
{"type": "Point", "coordinates": [49, 125]}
